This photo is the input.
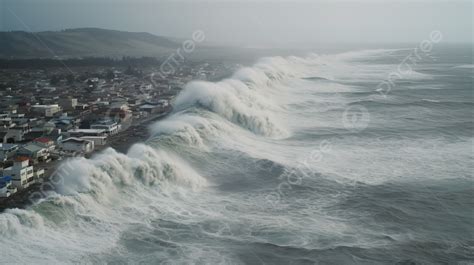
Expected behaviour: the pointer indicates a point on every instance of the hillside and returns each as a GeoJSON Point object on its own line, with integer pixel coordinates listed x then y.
{"type": "Point", "coordinates": [82, 42]}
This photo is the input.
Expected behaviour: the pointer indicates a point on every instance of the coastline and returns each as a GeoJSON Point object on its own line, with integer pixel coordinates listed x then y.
{"type": "Point", "coordinates": [121, 142]}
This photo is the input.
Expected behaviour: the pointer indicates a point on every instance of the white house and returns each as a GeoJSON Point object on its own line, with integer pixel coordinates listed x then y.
{"type": "Point", "coordinates": [46, 110]}
{"type": "Point", "coordinates": [98, 140]}
{"type": "Point", "coordinates": [86, 132]}
{"type": "Point", "coordinates": [110, 127]}
{"type": "Point", "coordinates": [21, 173]}
{"type": "Point", "coordinates": [73, 144]}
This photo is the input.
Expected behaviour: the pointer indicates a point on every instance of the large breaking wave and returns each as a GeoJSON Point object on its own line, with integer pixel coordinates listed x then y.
{"type": "Point", "coordinates": [198, 182]}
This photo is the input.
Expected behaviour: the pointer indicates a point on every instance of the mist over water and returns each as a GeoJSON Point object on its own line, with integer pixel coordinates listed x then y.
{"type": "Point", "coordinates": [294, 160]}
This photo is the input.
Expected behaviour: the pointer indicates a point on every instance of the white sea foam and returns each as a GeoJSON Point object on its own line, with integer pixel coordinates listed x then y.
{"type": "Point", "coordinates": [162, 196]}
{"type": "Point", "coordinates": [234, 101]}
{"type": "Point", "coordinates": [465, 66]}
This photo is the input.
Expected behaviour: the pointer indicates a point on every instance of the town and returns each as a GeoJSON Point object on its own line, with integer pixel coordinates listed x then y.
{"type": "Point", "coordinates": [52, 113]}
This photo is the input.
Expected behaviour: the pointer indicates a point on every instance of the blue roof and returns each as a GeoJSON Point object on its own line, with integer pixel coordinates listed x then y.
{"type": "Point", "coordinates": [7, 146]}
{"type": "Point", "coordinates": [4, 180]}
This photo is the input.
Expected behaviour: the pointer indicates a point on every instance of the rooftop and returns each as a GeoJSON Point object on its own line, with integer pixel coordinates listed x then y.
{"type": "Point", "coordinates": [105, 122]}
{"type": "Point", "coordinates": [32, 147]}
{"type": "Point", "coordinates": [74, 139]}
{"type": "Point", "coordinates": [43, 140]}
{"type": "Point", "coordinates": [86, 131]}
{"type": "Point", "coordinates": [45, 106]}
{"type": "Point", "coordinates": [5, 147]}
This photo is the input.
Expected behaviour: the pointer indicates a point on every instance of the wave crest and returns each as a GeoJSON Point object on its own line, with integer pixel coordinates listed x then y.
{"type": "Point", "coordinates": [234, 101]}
{"type": "Point", "coordinates": [110, 170]}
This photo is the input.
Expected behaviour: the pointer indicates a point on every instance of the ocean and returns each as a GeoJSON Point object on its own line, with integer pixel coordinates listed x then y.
{"type": "Point", "coordinates": [359, 157]}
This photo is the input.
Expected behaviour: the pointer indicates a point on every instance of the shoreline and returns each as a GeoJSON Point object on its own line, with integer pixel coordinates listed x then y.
{"type": "Point", "coordinates": [121, 142]}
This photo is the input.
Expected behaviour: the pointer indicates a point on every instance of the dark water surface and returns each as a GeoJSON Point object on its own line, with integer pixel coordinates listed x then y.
{"type": "Point", "coordinates": [291, 161]}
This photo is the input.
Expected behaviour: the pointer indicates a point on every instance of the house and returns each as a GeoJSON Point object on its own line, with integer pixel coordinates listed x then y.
{"type": "Point", "coordinates": [45, 142]}
{"type": "Point", "coordinates": [46, 110]}
{"type": "Point", "coordinates": [6, 121]}
{"type": "Point", "coordinates": [23, 127]}
{"type": "Point", "coordinates": [86, 132]}
{"type": "Point", "coordinates": [68, 103]}
{"type": "Point", "coordinates": [98, 136]}
{"type": "Point", "coordinates": [66, 122]}
{"type": "Point", "coordinates": [110, 127]}
{"type": "Point", "coordinates": [63, 125]}
{"type": "Point", "coordinates": [81, 106]}
{"type": "Point", "coordinates": [34, 152]}
{"type": "Point", "coordinates": [21, 173]}
{"type": "Point", "coordinates": [150, 108]}
{"type": "Point", "coordinates": [14, 135]}
{"type": "Point", "coordinates": [7, 151]}
{"type": "Point", "coordinates": [49, 126]}
{"type": "Point", "coordinates": [119, 109]}
{"type": "Point", "coordinates": [155, 107]}
{"type": "Point", "coordinates": [34, 134]}
{"type": "Point", "coordinates": [98, 140]}
{"type": "Point", "coordinates": [55, 135]}
{"type": "Point", "coordinates": [6, 188]}
{"type": "Point", "coordinates": [20, 119]}
{"type": "Point", "coordinates": [74, 145]}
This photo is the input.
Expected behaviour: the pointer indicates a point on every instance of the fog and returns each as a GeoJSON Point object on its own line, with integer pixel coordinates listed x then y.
{"type": "Point", "coordinates": [253, 23]}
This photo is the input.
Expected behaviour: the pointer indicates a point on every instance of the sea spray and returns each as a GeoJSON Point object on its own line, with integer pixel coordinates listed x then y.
{"type": "Point", "coordinates": [197, 191]}
{"type": "Point", "coordinates": [109, 171]}
{"type": "Point", "coordinates": [233, 102]}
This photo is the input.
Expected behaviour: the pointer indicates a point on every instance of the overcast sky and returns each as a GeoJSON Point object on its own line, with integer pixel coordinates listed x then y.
{"type": "Point", "coordinates": [253, 23]}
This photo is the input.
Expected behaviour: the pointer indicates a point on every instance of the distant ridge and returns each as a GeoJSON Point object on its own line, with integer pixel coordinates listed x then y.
{"type": "Point", "coordinates": [82, 42]}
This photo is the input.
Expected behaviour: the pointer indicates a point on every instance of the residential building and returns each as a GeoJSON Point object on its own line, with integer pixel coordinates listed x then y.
{"type": "Point", "coordinates": [86, 132]}
{"type": "Point", "coordinates": [6, 121]}
{"type": "Point", "coordinates": [74, 145]}
{"type": "Point", "coordinates": [21, 173]}
{"type": "Point", "coordinates": [6, 188]}
{"type": "Point", "coordinates": [7, 151]}
{"type": "Point", "coordinates": [155, 107]}
{"type": "Point", "coordinates": [34, 152]}
{"type": "Point", "coordinates": [46, 110]}
{"type": "Point", "coordinates": [149, 108]}
{"type": "Point", "coordinates": [45, 142]}
{"type": "Point", "coordinates": [98, 140]}
{"type": "Point", "coordinates": [110, 127]}
{"type": "Point", "coordinates": [14, 135]}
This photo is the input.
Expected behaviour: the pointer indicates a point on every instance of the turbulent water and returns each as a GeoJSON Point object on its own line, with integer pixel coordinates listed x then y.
{"type": "Point", "coordinates": [294, 160]}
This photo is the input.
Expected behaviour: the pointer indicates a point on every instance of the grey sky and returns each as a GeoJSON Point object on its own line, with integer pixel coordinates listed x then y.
{"type": "Point", "coordinates": [254, 23]}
